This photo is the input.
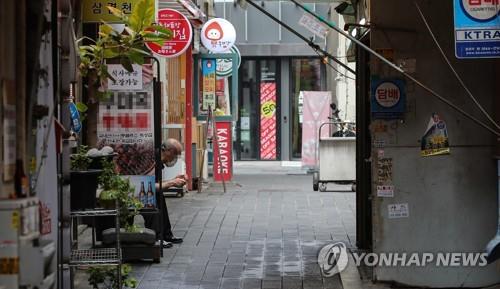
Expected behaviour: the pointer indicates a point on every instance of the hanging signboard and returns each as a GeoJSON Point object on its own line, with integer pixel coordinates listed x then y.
{"type": "Point", "coordinates": [181, 30]}
{"type": "Point", "coordinates": [208, 75]}
{"type": "Point", "coordinates": [435, 140]}
{"type": "Point", "coordinates": [225, 65]}
{"type": "Point", "coordinates": [313, 25]}
{"type": "Point", "coordinates": [388, 99]}
{"type": "Point", "coordinates": [315, 111]}
{"type": "Point", "coordinates": [97, 11]}
{"type": "Point", "coordinates": [126, 124]}
{"type": "Point", "coordinates": [218, 35]}
{"type": "Point", "coordinates": [477, 28]}
{"type": "Point", "coordinates": [223, 162]}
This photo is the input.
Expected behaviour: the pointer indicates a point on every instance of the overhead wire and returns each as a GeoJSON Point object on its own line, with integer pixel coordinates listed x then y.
{"type": "Point", "coordinates": [400, 70]}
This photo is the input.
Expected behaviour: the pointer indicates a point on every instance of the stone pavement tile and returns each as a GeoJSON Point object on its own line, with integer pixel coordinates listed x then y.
{"type": "Point", "coordinates": [146, 284]}
{"type": "Point", "coordinates": [252, 283]}
{"type": "Point", "coordinates": [292, 283]}
{"type": "Point", "coordinates": [333, 282]}
{"type": "Point", "coordinates": [230, 283]}
{"type": "Point", "coordinates": [312, 283]}
{"type": "Point", "coordinates": [268, 283]}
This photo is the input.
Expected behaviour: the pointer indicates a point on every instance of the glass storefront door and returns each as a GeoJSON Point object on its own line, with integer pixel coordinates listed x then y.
{"type": "Point", "coordinates": [305, 76]}
{"type": "Point", "coordinates": [258, 116]}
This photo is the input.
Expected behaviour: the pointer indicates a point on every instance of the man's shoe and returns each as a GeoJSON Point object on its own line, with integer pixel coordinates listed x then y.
{"type": "Point", "coordinates": [166, 244]}
{"type": "Point", "coordinates": [174, 240]}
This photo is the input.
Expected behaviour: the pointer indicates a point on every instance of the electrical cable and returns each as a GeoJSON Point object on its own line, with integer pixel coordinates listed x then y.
{"type": "Point", "coordinates": [331, 66]}
{"type": "Point", "coordinates": [399, 69]}
{"type": "Point", "coordinates": [453, 69]}
{"type": "Point", "coordinates": [313, 45]}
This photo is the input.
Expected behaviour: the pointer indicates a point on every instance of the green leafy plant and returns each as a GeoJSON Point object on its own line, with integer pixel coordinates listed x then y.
{"type": "Point", "coordinates": [116, 188]}
{"type": "Point", "coordinates": [127, 47]}
{"type": "Point", "coordinates": [104, 277]}
{"type": "Point", "coordinates": [80, 161]}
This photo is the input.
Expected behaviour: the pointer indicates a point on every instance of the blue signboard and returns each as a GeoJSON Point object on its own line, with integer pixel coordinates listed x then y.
{"type": "Point", "coordinates": [477, 28]}
{"type": "Point", "coordinates": [388, 98]}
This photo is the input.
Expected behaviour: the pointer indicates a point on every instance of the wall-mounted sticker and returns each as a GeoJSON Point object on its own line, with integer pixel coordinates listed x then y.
{"type": "Point", "coordinates": [435, 140]}
{"type": "Point", "coordinates": [397, 211]}
{"type": "Point", "coordinates": [384, 171]}
{"type": "Point", "coordinates": [385, 191]}
{"type": "Point", "coordinates": [388, 98]}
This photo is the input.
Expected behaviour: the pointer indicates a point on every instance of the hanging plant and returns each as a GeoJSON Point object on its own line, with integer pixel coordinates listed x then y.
{"type": "Point", "coordinates": [128, 47]}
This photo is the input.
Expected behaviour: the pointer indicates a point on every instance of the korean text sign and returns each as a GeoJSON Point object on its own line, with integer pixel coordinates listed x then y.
{"type": "Point", "coordinates": [388, 99]}
{"type": "Point", "coordinates": [477, 28]}
{"type": "Point", "coordinates": [97, 11]}
{"type": "Point", "coordinates": [181, 30]}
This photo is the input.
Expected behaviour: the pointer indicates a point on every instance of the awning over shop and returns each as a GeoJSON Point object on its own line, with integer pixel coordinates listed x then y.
{"type": "Point", "coordinates": [186, 7]}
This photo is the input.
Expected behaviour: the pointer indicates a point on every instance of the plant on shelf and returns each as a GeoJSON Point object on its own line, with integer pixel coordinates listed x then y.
{"type": "Point", "coordinates": [104, 277]}
{"type": "Point", "coordinates": [116, 188]}
{"type": "Point", "coordinates": [127, 47]}
{"type": "Point", "coordinates": [80, 161]}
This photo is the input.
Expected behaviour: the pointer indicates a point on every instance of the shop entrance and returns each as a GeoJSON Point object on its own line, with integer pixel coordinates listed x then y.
{"type": "Point", "coordinates": [258, 135]}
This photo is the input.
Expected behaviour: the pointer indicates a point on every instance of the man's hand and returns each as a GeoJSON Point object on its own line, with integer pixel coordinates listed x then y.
{"type": "Point", "coordinates": [184, 177]}
{"type": "Point", "coordinates": [177, 182]}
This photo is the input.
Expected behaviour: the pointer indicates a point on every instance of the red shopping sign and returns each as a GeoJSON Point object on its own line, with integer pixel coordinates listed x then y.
{"type": "Point", "coordinates": [181, 30]}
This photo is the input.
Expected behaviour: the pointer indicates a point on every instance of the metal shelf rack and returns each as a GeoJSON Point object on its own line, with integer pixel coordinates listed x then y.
{"type": "Point", "coordinates": [99, 256]}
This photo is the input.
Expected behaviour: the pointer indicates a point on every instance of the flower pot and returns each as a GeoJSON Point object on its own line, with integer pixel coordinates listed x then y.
{"type": "Point", "coordinates": [83, 189]}
{"type": "Point", "coordinates": [96, 163]}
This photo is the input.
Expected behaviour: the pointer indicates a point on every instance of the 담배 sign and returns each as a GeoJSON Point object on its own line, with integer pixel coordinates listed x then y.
{"type": "Point", "coordinates": [218, 35]}
{"type": "Point", "coordinates": [181, 30]}
{"type": "Point", "coordinates": [435, 140]}
{"type": "Point", "coordinates": [477, 28]}
{"type": "Point", "coordinates": [388, 99]}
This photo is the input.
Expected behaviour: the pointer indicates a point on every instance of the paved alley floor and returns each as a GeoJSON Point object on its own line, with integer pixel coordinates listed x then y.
{"type": "Point", "coordinates": [264, 232]}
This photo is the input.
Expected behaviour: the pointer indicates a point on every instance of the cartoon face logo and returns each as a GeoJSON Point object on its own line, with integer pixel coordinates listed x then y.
{"type": "Point", "coordinates": [214, 32]}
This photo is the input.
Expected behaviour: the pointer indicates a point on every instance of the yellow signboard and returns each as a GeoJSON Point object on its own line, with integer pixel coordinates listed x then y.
{"type": "Point", "coordinates": [97, 11]}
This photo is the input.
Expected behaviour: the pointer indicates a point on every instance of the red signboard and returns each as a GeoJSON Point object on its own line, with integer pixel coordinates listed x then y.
{"type": "Point", "coordinates": [182, 33]}
{"type": "Point", "coordinates": [268, 121]}
{"type": "Point", "coordinates": [223, 162]}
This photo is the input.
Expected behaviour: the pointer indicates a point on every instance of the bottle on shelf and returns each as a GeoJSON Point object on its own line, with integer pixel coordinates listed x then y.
{"type": "Point", "coordinates": [142, 194]}
{"type": "Point", "coordinates": [21, 182]}
{"type": "Point", "coordinates": [151, 195]}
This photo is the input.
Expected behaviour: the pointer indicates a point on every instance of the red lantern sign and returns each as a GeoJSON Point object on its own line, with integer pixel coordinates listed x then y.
{"type": "Point", "coordinates": [181, 30]}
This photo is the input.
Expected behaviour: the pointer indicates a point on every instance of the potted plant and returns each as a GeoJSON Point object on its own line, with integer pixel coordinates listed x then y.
{"type": "Point", "coordinates": [104, 277]}
{"type": "Point", "coordinates": [118, 190]}
{"type": "Point", "coordinates": [83, 180]}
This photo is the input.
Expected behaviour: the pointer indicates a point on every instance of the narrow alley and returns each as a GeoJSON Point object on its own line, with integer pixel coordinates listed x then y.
{"type": "Point", "coordinates": [265, 232]}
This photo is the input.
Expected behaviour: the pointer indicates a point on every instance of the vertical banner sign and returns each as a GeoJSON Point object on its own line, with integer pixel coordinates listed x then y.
{"type": "Point", "coordinates": [268, 121]}
{"type": "Point", "coordinates": [208, 90]}
{"type": "Point", "coordinates": [223, 162]}
{"type": "Point", "coordinates": [126, 124]}
{"type": "Point", "coordinates": [315, 111]}
{"type": "Point", "coordinates": [182, 34]}
{"type": "Point", "coordinates": [477, 28]}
